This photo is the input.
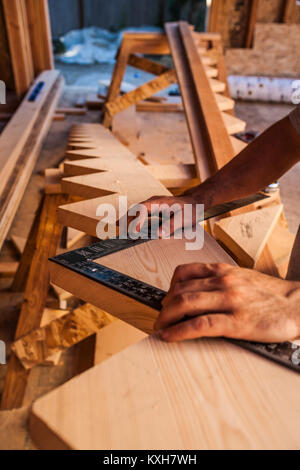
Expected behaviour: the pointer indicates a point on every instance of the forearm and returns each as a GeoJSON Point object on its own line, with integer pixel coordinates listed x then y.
{"type": "Point", "coordinates": [263, 161]}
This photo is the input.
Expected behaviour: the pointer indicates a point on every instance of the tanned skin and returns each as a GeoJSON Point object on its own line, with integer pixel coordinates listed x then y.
{"type": "Point", "coordinates": [218, 300]}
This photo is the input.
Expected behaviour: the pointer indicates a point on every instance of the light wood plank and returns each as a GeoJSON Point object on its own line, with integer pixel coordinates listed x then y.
{"type": "Point", "coordinates": [114, 338]}
{"type": "Point", "coordinates": [246, 235]}
{"type": "Point", "coordinates": [203, 394]}
{"type": "Point", "coordinates": [173, 176]}
{"type": "Point", "coordinates": [210, 140]}
{"type": "Point", "coordinates": [153, 263]}
{"type": "Point", "coordinates": [211, 72]}
{"type": "Point", "coordinates": [224, 103]}
{"type": "Point", "coordinates": [233, 124]}
{"type": "Point", "coordinates": [216, 85]}
{"type": "Point", "coordinates": [15, 134]}
{"type": "Point", "coordinates": [19, 43]}
{"type": "Point", "coordinates": [141, 93]}
{"type": "Point", "coordinates": [40, 35]}
{"type": "Point", "coordinates": [20, 144]}
{"type": "Point", "coordinates": [147, 65]}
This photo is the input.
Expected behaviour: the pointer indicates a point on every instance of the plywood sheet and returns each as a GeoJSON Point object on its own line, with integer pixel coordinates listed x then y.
{"type": "Point", "coordinates": [276, 52]}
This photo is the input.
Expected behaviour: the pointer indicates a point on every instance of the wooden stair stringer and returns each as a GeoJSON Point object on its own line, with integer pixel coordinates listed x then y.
{"type": "Point", "coordinates": [102, 176]}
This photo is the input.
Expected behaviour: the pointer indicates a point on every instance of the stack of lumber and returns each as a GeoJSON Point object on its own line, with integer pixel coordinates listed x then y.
{"type": "Point", "coordinates": [29, 36]}
{"type": "Point", "coordinates": [21, 141]}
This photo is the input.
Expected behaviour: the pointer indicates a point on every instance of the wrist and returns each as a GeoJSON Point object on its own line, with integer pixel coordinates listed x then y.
{"type": "Point", "coordinates": [205, 194]}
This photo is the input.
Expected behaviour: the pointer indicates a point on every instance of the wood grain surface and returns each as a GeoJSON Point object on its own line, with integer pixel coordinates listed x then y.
{"type": "Point", "coordinates": [203, 394]}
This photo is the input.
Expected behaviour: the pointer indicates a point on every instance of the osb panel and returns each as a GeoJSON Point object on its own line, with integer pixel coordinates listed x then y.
{"type": "Point", "coordinates": [276, 53]}
{"type": "Point", "coordinates": [232, 20]}
{"type": "Point", "coordinates": [281, 37]}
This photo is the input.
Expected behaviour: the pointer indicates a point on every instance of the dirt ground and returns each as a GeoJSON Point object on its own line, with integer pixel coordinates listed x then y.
{"type": "Point", "coordinates": [13, 424]}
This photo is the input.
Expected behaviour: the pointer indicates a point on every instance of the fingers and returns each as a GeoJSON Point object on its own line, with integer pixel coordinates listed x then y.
{"type": "Point", "coordinates": [156, 203]}
{"type": "Point", "coordinates": [183, 218]}
{"type": "Point", "coordinates": [202, 285]}
{"type": "Point", "coordinates": [171, 208]}
{"type": "Point", "coordinates": [144, 209]}
{"type": "Point", "coordinates": [171, 225]}
{"type": "Point", "coordinates": [191, 304]}
{"type": "Point", "coordinates": [199, 270]}
{"type": "Point", "coordinates": [214, 325]}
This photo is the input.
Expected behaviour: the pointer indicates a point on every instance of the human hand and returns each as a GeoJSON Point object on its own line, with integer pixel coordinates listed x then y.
{"type": "Point", "coordinates": [175, 212]}
{"type": "Point", "coordinates": [219, 300]}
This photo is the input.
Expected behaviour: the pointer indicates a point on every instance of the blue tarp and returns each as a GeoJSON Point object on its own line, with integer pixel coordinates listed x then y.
{"type": "Point", "coordinates": [94, 45]}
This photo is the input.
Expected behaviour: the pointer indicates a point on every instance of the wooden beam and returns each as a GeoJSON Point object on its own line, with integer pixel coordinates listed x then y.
{"type": "Point", "coordinates": [288, 11]}
{"type": "Point", "coordinates": [117, 77]}
{"type": "Point", "coordinates": [59, 117]}
{"type": "Point", "coordinates": [173, 176]}
{"type": "Point", "coordinates": [210, 140]}
{"type": "Point", "coordinates": [19, 43]}
{"type": "Point", "coordinates": [72, 111]}
{"type": "Point", "coordinates": [20, 279]}
{"type": "Point", "coordinates": [8, 269]}
{"type": "Point", "coordinates": [147, 106]}
{"type": "Point", "coordinates": [147, 65]}
{"type": "Point", "coordinates": [20, 143]}
{"type": "Point", "coordinates": [22, 123]}
{"type": "Point", "coordinates": [145, 43]}
{"type": "Point", "coordinates": [40, 35]}
{"type": "Point", "coordinates": [224, 104]}
{"type": "Point", "coordinates": [141, 93]}
{"type": "Point", "coordinates": [253, 7]}
{"type": "Point", "coordinates": [5, 58]}
{"type": "Point", "coordinates": [214, 15]}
